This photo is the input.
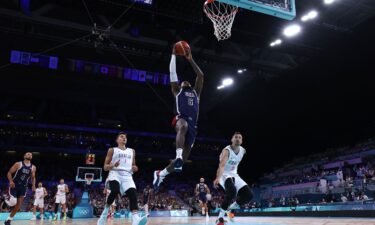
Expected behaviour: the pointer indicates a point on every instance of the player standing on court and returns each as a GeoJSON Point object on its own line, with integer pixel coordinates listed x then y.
{"type": "Point", "coordinates": [146, 198]}
{"type": "Point", "coordinates": [201, 191]}
{"type": "Point", "coordinates": [112, 210]}
{"type": "Point", "coordinates": [228, 178]}
{"type": "Point", "coordinates": [185, 122]}
{"type": "Point", "coordinates": [22, 171]}
{"type": "Point", "coordinates": [120, 162]}
{"type": "Point", "coordinates": [62, 190]}
{"type": "Point", "coordinates": [40, 193]}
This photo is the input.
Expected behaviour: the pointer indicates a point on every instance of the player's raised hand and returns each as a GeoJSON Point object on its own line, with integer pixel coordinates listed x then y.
{"type": "Point", "coordinates": [188, 54]}
{"type": "Point", "coordinates": [117, 163]}
{"type": "Point", "coordinates": [134, 168]}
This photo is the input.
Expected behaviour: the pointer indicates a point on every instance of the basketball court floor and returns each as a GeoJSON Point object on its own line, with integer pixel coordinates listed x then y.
{"type": "Point", "coordinates": [202, 221]}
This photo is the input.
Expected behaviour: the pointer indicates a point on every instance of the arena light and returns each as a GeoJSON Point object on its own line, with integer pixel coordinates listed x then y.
{"type": "Point", "coordinates": [276, 42]}
{"type": "Point", "coordinates": [328, 2]}
{"type": "Point", "coordinates": [292, 30]}
{"type": "Point", "coordinates": [309, 16]}
{"type": "Point", "coordinates": [227, 82]}
{"type": "Point", "coordinates": [220, 87]}
{"type": "Point", "coordinates": [241, 71]}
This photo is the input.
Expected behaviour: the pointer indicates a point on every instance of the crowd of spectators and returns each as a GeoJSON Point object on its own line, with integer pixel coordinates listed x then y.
{"type": "Point", "coordinates": [52, 138]}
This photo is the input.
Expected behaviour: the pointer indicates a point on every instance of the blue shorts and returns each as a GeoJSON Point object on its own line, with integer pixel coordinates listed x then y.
{"type": "Point", "coordinates": [191, 133]}
{"type": "Point", "coordinates": [202, 197]}
{"type": "Point", "coordinates": [18, 191]}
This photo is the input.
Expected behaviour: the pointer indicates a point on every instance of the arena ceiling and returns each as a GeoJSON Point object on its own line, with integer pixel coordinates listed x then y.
{"type": "Point", "coordinates": [160, 25]}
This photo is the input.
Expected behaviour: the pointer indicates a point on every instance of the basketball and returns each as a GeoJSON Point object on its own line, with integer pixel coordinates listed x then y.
{"type": "Point", "coordinates": [182, 47]}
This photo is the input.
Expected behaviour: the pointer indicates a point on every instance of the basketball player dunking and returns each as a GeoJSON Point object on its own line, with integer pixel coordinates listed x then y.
{"type": "Point", "coordinates": [146, 198]}
{"type": "Point", "coordinates": [40, 193]}
{"type": "Point", "coordinates": [120, 162]}
{"type": "Point", "coordinates": [22, 171]}
{"type": "Point", "coordinates": [60, 198]}
{"type": "Point", "coordinates": [228, 178]}
{"type": "Point", "coordinates": [201, 191]}
{"type": "Point", "coordinates": [185, 121]}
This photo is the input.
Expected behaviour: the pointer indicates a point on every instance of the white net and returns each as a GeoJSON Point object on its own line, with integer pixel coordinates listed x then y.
{"type": "Point", "coordinates": [222, 16]}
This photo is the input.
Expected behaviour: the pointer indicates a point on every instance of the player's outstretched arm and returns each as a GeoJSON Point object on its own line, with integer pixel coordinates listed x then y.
{"type": "Point", "coordinates": [200, 76]}
{"type": "Point", "coordinates": [66, 188]}
{"type": "Point", "coordinates": [223, 160]}
{"type": "Point", "coordinates": [11, 171]}
{"type": "Point", "coordinates": [173, 74]}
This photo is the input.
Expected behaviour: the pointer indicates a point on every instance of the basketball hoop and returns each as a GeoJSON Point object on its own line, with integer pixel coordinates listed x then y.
{"type": "Point", "coordinates": [88, 180]}
{"type": "Point", "coordinates": [222, 16]}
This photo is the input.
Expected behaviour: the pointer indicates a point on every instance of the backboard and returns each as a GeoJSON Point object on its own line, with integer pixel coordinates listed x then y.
{"type": "Point", "coordinates": [285, 9]}
{"type": "Point", "coordinates": [92, 173]}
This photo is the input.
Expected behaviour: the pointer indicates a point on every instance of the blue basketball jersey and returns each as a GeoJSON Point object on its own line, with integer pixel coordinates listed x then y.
{"type": "Point", "coordinates": [202, 188]}
{"type": "Point", "coordinates": [187, 104]}
{"type": "Point", "coordinates": [22, 175]}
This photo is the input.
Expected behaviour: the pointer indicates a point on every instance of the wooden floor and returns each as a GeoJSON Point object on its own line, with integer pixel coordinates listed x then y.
{"type": "Point", "coordinates": [202, 221]}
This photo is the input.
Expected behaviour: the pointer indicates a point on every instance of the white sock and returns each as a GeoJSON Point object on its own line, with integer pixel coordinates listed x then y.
{"type": "Point", "coordinates": [234, 205]}
{"type": "Point", "coordinates": [163, 173]}
{"type": "Point", "coordinates": [221, 213]}
{"type": "Point", "coordinates": [10, 218]}
{"type": "Point", "coordinates": [105, 211]}
{"type": "Point", "coordinates": [179, 153]}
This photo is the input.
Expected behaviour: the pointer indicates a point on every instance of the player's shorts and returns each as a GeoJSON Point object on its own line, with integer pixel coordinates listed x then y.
{"type": "Point", "coordinates": [18, 191]}
{"type": "Point", "coordinates": [60, 199]}
{"type": "Point", "coordinates": [202, 197]}
{"type": "Point", "coordinates": [191, 133]}
{"type": "Point", "coordinates": [238, 182]}
{"type": "Point", "coordinates": [125, 182]}
{"type": "Point", "coordinates": [39, 202]}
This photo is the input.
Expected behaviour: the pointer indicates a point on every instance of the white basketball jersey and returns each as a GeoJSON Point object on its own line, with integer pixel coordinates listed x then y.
{"type": "Point", "coordinates": [39, 192]}
{"type": "Point", "coordinates": [61, 189]}
{"type": "Point", "coordinates": [126, 161]}
{"type": "Point", "coordinates": [233, 161]}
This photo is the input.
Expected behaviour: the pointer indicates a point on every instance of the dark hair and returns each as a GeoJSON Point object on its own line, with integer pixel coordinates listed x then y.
{"type": "Point", "coordinates": [237, 132]}
{"type": "Point", "coordinates": [121, 133]}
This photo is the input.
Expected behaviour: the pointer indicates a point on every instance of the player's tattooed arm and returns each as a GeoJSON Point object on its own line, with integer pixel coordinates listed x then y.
{"type": "Point", "coordinates": [108, 165]}
{"type": "Point", "coordinates": [11, 171]}
{"type": "Point", "coordinates": [44, 193]}
{"type": "Point", "coordinates": [33, 180]}
{"type": "Point", "coordinates": [200, 76]}
{"type": "Point", "coordinates": [223, 160]}
{"type": "Point", "coordinates": [207, 189]}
